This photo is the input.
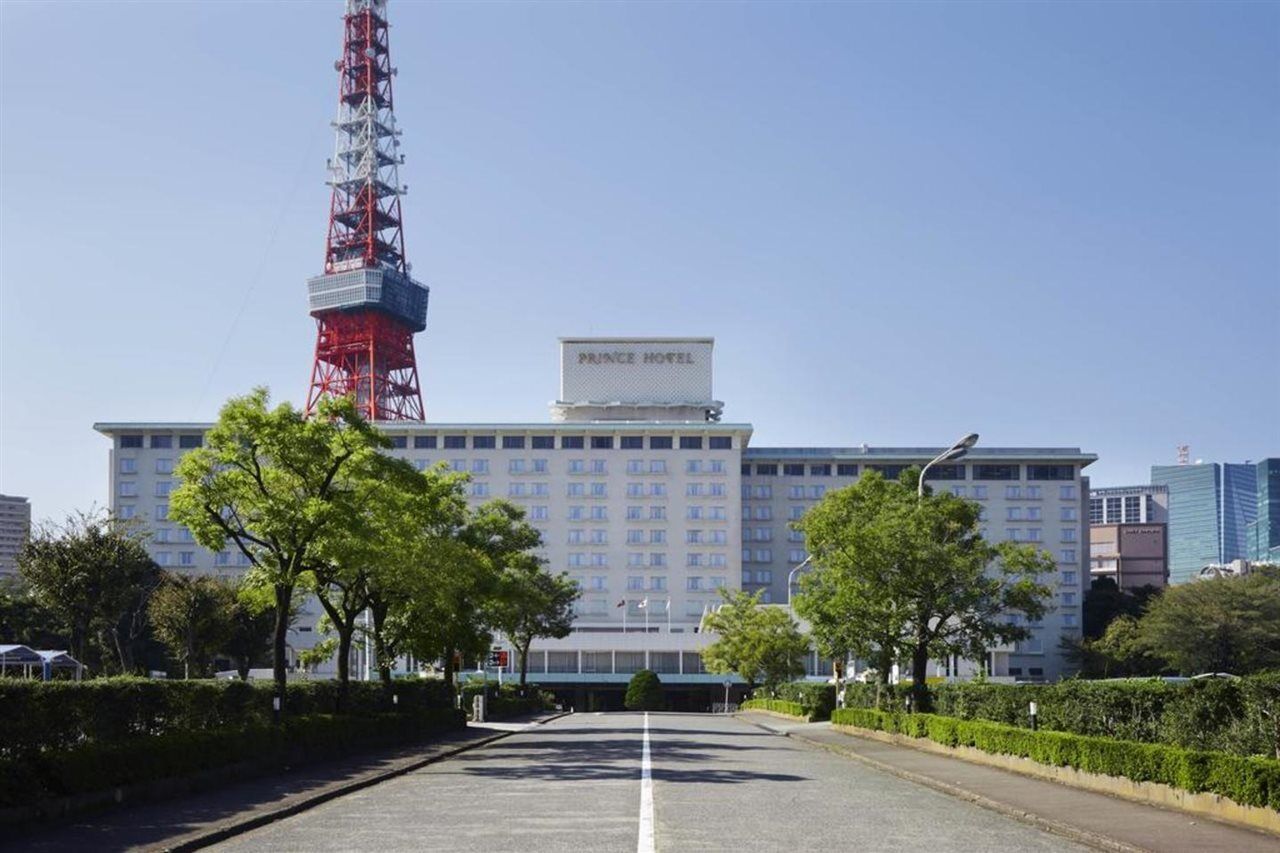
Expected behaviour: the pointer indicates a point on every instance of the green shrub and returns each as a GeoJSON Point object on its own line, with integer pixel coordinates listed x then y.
{"type": "Point", "coordinates": [817, 698]}
{"type": "Point", "coordinates": [1248, 780]}
{"type": "Point", "coordinates": [777, 706]}
{"type": "Point", "coordinates": [507, 700]}
{"type": "Point", "coordinates": [644, 693]}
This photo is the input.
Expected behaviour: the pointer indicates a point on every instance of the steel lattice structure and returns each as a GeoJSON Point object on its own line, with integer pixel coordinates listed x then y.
{"type": "Point", "coordinates": [365, 304]}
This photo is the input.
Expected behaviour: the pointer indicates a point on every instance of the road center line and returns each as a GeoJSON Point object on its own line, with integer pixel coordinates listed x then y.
{"type": "Point", "coordinates": [645, 844]}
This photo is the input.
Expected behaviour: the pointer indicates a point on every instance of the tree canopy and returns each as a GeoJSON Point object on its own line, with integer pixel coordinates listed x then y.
{"type": "Point", "coordinates": [761, 644]}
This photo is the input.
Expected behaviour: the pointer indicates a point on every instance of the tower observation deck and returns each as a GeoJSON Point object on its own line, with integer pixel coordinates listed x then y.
{"type": "Point", "coordinates": [366, 305]}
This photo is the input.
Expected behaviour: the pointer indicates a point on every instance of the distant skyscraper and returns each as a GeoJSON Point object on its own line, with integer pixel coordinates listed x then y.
{"type": "Point", "coordinates": [15, 527]}
{"type": "Point", "coordinates": [1210, 509]}
{"type": "Point", "coordinates": [1264, 532]}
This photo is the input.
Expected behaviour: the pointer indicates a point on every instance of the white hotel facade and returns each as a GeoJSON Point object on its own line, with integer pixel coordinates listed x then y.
{"type": "Point", "coordinates": [646, 498]}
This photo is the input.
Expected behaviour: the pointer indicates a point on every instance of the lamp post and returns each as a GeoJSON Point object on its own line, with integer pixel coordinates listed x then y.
{"type": "Point", "coordinates": [791, 576]}
{"type": "Point", "coordinates": [955, 451]}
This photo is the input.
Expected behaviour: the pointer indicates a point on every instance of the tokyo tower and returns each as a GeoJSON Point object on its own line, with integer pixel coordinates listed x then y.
{"type": "Point", "coordinates": [366, 306]}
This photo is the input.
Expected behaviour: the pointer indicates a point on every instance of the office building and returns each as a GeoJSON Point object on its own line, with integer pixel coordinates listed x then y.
{"type": "Point", "coordinates": [1211, 506]}
{"type": "Point", "coordinates": [654, 505]}
{"type": "Point", "coordinates": [15, 528]}
{"type": "Point", "coordinates": [1263, 535]}
{"type": "Point", "coordinates": [1128, 535]}
{"type": "Point", "coordinates": [1129, 505]}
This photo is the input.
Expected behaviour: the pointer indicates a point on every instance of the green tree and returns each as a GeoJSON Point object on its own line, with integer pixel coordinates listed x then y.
{"type": "Point", "coordinates": [24, 620]}
{"type": "Point", "coordinates": [1229, 624]}
{"type": "Point", "coordinates": [644, 692]}
{"type": "Point", "coordinates": [251, 621]}
{"type": "Point", "coordinates": [191, 615]}
{"type": "Point", "coordinates": [762, 645]}
{"type": "Point", "coordinates": [531, 603]}
{"type": "Point", "coordinates": [1105, 601]}
{"type": "Point", "coordinates": [93, 573]}
{"type": "Point", "coordinates": [916, 575]}
{"type": "Point", "coordinates": [272, 483]}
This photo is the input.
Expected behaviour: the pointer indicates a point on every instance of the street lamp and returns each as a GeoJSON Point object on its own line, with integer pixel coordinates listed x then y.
{"type": "Point", "coordinates": [792, 576]}
{"type": "Point", "coordinates": [955, 451]}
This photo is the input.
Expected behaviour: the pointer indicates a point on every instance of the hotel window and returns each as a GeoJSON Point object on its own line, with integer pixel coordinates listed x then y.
{"type": "Point", "coordinates": [657, 513]}
{"type": "Point", "coordinates": [795, 513]}
{"type": "Point", "coordinates": [130, 441]}
{"type": "Point", "coordinates": [946, 472]}
{"type": "Point", "coordinates": [716, 582]}
{"type": "Point", "coordinates": [599, 513]}
{"type": "Point", "coordinates": [1068, 534]}
{"type": "Point", "coordinates": [1067, 493]}
{"type": "Point", "coordinates": [690, 442]}
{"type": "Point", "coordinates": [657, 559]}
{"type": "Point", "coordinates": [693, 559]}
{"type": "Point", "coordinates": [718, 561]}
{"type": "Point", "coordinates": [399, 442]}
{"type": "Point", "coordinates": [575, 537]}
{"type": "Point", "coordinates": [631, 442]}
{"type": "Point", "coordinates": [635, 537]}
{"type": "Point", "coordinates": [188, 442]}
{"type": "Point", "coordinates": [1069, 620]}
{"type": "Point", "coordinates": [1067, 555]}
{"type": "Point", "coordinates": [816, 492]}
{"type": "Point", "coordinates": [598, 466]}
{"type": "Point", "coordinates": [1035, 534]}
{"type": "Point", "coordinates": [763, 513]}
{"type": "Point", "coordinates": [716, 490]}
{"type": "Point", "coordinates": [795, 535]}
{"type": "Point", "coordinates": [598, 583]}
{"type": "Point", "coordinates": [693, 583]}
{"type": "Point", "coordinates": [541, 490]}
{"type": "Point", "coordinates": [746, 576]}
{"type": "Point", "coordinates": [764, 534]}
{"type": "Point", "coordinates": [957, 491]}
{"type": "Point", "coordinates": [186, 558]}
{"type": "Point", "coordinates": [657, 537]}
{"type": "Point", "coordinates": [693, 537]}
{"type": "Point", "coordinates": [164, 466]}
{"type": "Point", "coordinates": [424, 442]}
{"type": "Point", "coordinates": [1051, 472]}
{"type": "Point", "coordinates": [693, 466]}
{"type": "Point", "coordinates": [635, 466]}
{"type": "Point", "coordinates": [1068, 513]}
{"type": "Point", "coordinates": [633, 513]}
{"type": "Point", "coordinates": [455, 442]}
{"type": "Point", "coordinates": [792, 470]}
{"type": "Point", "coordinates": [599, 537]}
{"type": "Point", "coordinates": [1012, 492]}
{"type": "Point", "coordinates": [1095, 510]}
{"type": "Point", "coordinates": [1069, 578]}
{"type": "Point", "coordinates": [602, 442]}
{"type": "Point", "coordinates": [539, 513]}
{"type": "Point", "coordinates": [513, 442]}
{"type": "Point", "coordinates": [1068, 598]}
{"type": "Point", "coordinates": [127, 511]}
{"type": "Point", "coordinates": [164, 558]}
{"type": "Point", "coordinates": [162, 534]}
{"type": "Point", "coordinates": [720, 442]}
{"type": "Point", "coordinates": [719, 537]}
{"type": "Point", "coordinates": [577, 466]}
{"type": "Point", "coordinates": [795, 493]}
{"type": "Point", "coordinates": [658, 490]}
{"type": "Point", "coordinates": [1133, 509]}
{"type": "Point", "coordinates": [762, 493]}
{"type": "Point", "coordinates": [635, 490]}
{"type": "Point", "coordinates": [598, 559]}
{"type": "Point", "coordinates": [658, 583]}
{"type": "Point", "coordinates": [766, 596]}
{"type": "Point", "coordinates": [996, 472]}
{"type": "Point", "coordinates": [634, 583]}
{"type": "Point", "coordinates": [846, 470]}
{"type": "Point", "coordinates": [1013, 513]}
{"type": "Point", "coordinates": [657, 466]}
{"type": "Point", "coordinates": [128, 489]}
{"type": "Point", "coordinates": [162, 512]}
{"type": "Point", "coordinates": [660, 442]}
{"type": "Point", "coordinates": [764, 555]}
{"type": "Point", "coordinates": [715, 466]}
{"type": "Point", "coordinates": [541, 466]}
{"type": "Point", "coordinates": [1013, 534]}
{"type": "Point", "coordinates": [577, 490]}
{"type": "Point", "coordinates": [577, 513]}
{"type": "Point", "coordinates": [163, 488]}
{"type": "Point", "coordinates": [980, 493]}
{"type": "Point", "coordinates": [577, 560]}
{"type": "Point", "coordinates": [483, 442]}
{"type": "Point", "coordinates": [1032, 493]}
{"type": "Point", "coordinates": [542, 442]}
{"type": "Point", "coordinates": [764, 576]}
{"type": "Point", "coordinates": [767, 470]}
{"type": "Point", "coordinates": [572, 442]}
{"type": "Point", "coordinates": [222, 558]}
{"type": "Point", "coordinates": [516, 466]}
{"type": "Point", "coordinates": [479, 466]}
{"type": "Point", "coordinates": [746, 471]}
{"type": "Point", "coordinates": [161, 442]}
{"type": "Point", "coordinates": [796, 555]}
{"type": "Point", "coordinates": [635, 558]}
{"type": "Point", "coordinates": [128, 466]}
{"type": "Point", "coordinates": [479, 490]}
{"type": "Point", "coordinates": [458, 465]}
{"type": "Point", "coordinates": [819, 470]}
{"type": "Point", "coordinates": [1033, 513]}
{"type": "Point", "coordinates": [693, 512]}
{"type": "Point", "coordinates": [599, 490]}
{"type": "Point", "coordinates": [693, 490]}
{"type": "Point", "coordinates": [717, 513]}
{"type": "Point", "coordinates": [746, 555]}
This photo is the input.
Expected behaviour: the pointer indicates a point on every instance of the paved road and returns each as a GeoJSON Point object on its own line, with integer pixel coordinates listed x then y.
{"type": "Point", "coordinates": [718, 784]}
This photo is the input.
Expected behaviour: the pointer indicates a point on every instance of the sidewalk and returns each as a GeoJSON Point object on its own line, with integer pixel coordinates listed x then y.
{"type": "Point", "coordinates": [1095, 819]}
{"type": "Point", "coordinates": [190, 822]}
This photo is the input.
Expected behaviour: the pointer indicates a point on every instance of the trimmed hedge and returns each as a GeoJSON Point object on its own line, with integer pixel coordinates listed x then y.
{"type": "Point", "coordinates": [59, 715]}
{"type": "Point", "coordinates": [1250, 780]}
{"type": "Point", "coordinates": [96, 766]}
{"type": "Point", "coordinates": [817, 698]}
{"type": "Point", "coordinates": [506, 701]}
{"type": "Point", "coordinates": [777, 706]}
{"type": "Point", "coordinates": [1223, 715]}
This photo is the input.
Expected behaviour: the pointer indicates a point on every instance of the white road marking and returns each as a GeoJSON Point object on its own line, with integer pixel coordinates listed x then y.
{"type": "Point", "coordinates": [645, 844]}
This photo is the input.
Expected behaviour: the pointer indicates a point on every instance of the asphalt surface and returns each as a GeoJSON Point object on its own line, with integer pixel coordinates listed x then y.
{"type": "Point", "coordinates": [718, 784]}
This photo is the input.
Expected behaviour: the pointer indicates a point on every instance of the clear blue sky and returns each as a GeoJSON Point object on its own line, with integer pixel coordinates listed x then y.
{"type": "Point", "coordinates": [1054, 224]}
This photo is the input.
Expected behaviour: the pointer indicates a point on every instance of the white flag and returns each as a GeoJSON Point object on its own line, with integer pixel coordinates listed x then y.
{"type": "Point", "coordinates": [643, 604]}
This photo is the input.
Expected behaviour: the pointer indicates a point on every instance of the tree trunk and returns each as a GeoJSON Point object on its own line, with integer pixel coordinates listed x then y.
{"type": "Point", "coordinates": [448, 665]}
{"type": "Point", "coordinates": [242, 667]}
{"type": "Point", "coordinates": [284, 596]}
{"type": "Point", "coordinates": [524, 664]}
{"type": "Point", "coordinates": [919, 675]}
{"type": "Point", "coordinates": [378, 610]}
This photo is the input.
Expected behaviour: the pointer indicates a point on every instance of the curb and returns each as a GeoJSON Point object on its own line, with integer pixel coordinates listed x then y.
{"type": "Point", "coordinates": [1065, 830]}
{"type": "Point", "coordinates": [229, 830]}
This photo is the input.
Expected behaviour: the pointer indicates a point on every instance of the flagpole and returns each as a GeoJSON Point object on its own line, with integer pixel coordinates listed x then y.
{"type": "Point", "coordinates": [624, 616]}
{"type": "Point", "coordinates": [668, 614]}
{"type": "Point", "coordinates": [646, 616]}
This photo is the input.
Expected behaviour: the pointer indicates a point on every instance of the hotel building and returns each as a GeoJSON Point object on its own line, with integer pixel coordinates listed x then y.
{"type": "Point", "coordinates": [654, 504]}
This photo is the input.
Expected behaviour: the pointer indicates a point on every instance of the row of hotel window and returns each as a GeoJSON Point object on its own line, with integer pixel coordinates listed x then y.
{"type": "Point", "coordinates": [797, 555]}
{"type": "Point", "coordinates": [656, 536]}
{"type": "Point", "coordinates": [635, 559]}
{"type": "Point", "coordinates": [164, 441]}
{"type": "Point", "coordinates": [657, 583]}
{"type": "Point", "coordinates": [980, 493]}
{"type": "Point", "coordinates": [891, 472]}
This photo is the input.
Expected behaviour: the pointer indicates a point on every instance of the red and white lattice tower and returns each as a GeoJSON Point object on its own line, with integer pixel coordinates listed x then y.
{"type": "Point", "coordinates": [366, 306]}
